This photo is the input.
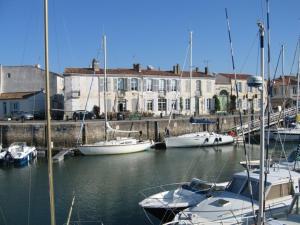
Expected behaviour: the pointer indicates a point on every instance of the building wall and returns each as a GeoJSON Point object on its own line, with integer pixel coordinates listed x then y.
{"type": "Point", "coordinates": [31, 104]}
{"type": "Point", "coordinates": [28, 79]}
{"type": "Point", "coordinates": [85, 91]}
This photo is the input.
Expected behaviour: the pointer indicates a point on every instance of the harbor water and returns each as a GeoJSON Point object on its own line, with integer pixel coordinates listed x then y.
{"type": "Point", "coordinates": [107, 188]}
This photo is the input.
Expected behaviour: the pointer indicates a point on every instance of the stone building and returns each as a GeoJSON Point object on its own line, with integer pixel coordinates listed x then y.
{"type": "Point", "coordinates": [248, 97]}
{"type": "Point", "coordinates": [139, 90]}
{"type": "Point", "coordinates": [284, 89]}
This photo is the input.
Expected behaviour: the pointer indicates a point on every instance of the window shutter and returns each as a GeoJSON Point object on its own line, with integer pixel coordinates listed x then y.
{"type": "Point", "coordinates": [169, 85]}
{"type": "Point", "coordinates": [101, 85]}
{"type": "Point", "coordinates": [178, 85]}
{"type": "Point", "coordinates": [125, 80]}
{"type": "Point", "coordinates": [128, 84]}
{"type": "Point", "coordinates": [145, 85]}
{"type": "Point", "coordinates": [108, 84]}
{"type": "Point", "coordinates": [115, 84]}
{"type": "Point", "coordinates": [155, 85]}
{"type": "Point", "coordinates": [139, 84]}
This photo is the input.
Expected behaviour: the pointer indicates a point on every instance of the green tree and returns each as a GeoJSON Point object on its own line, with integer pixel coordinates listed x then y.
{"type": "Point", "coordinates": [217, 103]}
{"type": "Point", "coordinates": [181, 103]}
{"type": "Point", "coordinates": [232, 105]}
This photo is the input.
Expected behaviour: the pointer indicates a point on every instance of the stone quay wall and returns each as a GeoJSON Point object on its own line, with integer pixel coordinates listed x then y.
{"type": "Point", "coordinates": [66, 133]}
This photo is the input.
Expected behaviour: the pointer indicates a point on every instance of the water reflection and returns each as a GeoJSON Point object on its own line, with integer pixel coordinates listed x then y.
{"type": "Point", "coordinates": [107, 187]}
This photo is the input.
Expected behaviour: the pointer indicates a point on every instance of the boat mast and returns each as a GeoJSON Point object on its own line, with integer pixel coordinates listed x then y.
{"type": "Point", "coordinates": [262, 130]}
{"type": "Point", "coordinates": [49, 147]}
{"type": "Point", "coordinates": [191, 69]}
{"type": "Point", "coordinates": [297, 104]}
{"type": "Point", "coordinates": [105, 86]}
{"type": "Point", "coordinates": [283, 82]}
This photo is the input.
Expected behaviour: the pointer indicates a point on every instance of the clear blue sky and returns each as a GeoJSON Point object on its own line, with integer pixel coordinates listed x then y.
{"type": "Point", "coordinates": [153, 32]}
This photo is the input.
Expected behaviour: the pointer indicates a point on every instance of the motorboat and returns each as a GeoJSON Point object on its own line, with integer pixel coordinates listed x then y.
{"type": "Point", "coordinates": [198, 139]}
{"type": "Point", "coordinates": [166, 204]}
{"type": "Point", "coordinates": [20, 153]}
{"type": "Point", "coordinates": [117, 146]}
{"type": "Point", "coordinates": [3, 156]}
{"type": "Point", "coordinates": [234, 205]}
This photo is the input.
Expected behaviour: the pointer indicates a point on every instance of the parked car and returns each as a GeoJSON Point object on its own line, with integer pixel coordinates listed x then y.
{"type": "Point", "coordinates": [78, 115]}
{"type": "Point", "coordinates": [20, 115]}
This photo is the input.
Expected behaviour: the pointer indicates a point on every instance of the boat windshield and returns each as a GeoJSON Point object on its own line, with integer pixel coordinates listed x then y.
{"type": "Point", "coordinates": [236, 184]}
{"type": "Point", "coordinates": [197, 185]}
{"type": "Point", "coordinates": [255, 190]}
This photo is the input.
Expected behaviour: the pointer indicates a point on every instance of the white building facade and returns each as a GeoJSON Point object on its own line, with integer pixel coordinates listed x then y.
{"type": "Point", "coordinates": [136, 90]}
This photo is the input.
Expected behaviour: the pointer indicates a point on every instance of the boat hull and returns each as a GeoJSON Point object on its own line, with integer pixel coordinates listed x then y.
{"type": "Point", "coordinates": [165, 214]}
{"type": "Point", "coordinates": [198, 140]}
{"type": "Point", "coordinates": [111, 149]}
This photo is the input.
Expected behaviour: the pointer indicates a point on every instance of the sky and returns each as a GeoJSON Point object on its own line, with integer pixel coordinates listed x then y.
{"type": "Point", "coordinates": [149, 32]}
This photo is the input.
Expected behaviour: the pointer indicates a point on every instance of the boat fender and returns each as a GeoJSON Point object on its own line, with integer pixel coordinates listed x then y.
{"type": "Point", "coordinates": [206, 140]}
{"type": "Point", "coordinates": [216, 140]}
{"type": "Point", "coordinates": [220, 139]}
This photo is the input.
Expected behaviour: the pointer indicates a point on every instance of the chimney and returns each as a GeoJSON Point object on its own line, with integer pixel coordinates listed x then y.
{"type": "Point", "coordinates": [95, 65]}
{"type": "Point", "coordinates": [176, 69]}
{"type": "Point", "coordinates": [197, 69]}
{"type": "Point", "coordinates": [137, 67]}
{"type": "Point", "coordinates": [206, 70]}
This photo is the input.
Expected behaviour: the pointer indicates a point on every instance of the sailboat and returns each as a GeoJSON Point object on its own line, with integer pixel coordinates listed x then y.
{"type": "Point", "coordinates": [293, 215]}
{"type": "Point", "coordinates": [245, 194]}
{"type": "Point", "coordinates": [196, 139]}
{"type": "Point", "coordinates": [120, 145]}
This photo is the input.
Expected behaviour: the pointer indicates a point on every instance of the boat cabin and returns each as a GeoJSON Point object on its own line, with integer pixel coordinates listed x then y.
{"type": "Point", "coordinates": [279, 184]}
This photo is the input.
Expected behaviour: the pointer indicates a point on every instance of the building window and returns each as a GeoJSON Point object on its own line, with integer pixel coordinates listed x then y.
{"type": "Point", "coordinates": [149, 105]}
{"type": "Point", "coordinates": [4, 108]}
{"type": "Point", "coordinates": [162, 104]}
{"type": "Point", "coordinates": [8, 75]}
{"type": "Point", "coordinates": [121, 84]}
{"type": "Point", "coordinates": [134, 84]}
{"type": "Point", "coordinates": [162, 85]}
{"type": "Point", "coordinates": [294, 90]}
{"type": "Point", "coordinates": [174, 105]}
{"type": "Point", "coordinates": [122, 105]}
{"type": "Point", "coordinates": [149, 85]}
{"type": "Point", "coordinates": [173, 85]}
{"type": "Point", "coordinates": [187, 104]}
{"type": "Point", "coordinates": [16, 106]}
{"type": "Point", "coordinates": [208, 103]}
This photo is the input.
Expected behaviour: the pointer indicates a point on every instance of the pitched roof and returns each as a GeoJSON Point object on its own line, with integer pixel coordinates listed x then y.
{"type": "Point", "coordinates": [285, 80]}
{"type": "Point", "coordinates": [83, 71]}
{"type": "Point", "coordinates": [17, 95]}
{"type": "Point", "coordinates": [238, 76]}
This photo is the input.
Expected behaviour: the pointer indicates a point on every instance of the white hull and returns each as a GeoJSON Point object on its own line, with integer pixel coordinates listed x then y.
{"type": "Point", "coordinates": [112, 147]}
{"type": "Point", "coordinates": [198, 139]}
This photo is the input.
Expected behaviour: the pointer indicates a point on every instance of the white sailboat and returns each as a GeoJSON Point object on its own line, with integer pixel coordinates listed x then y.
{"type": "Point", "coordinates": [293, 215]}
{"type": "Point", "coordinates": [120, 145]}
{"type": "Point", "coordinates": [197, 139]}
